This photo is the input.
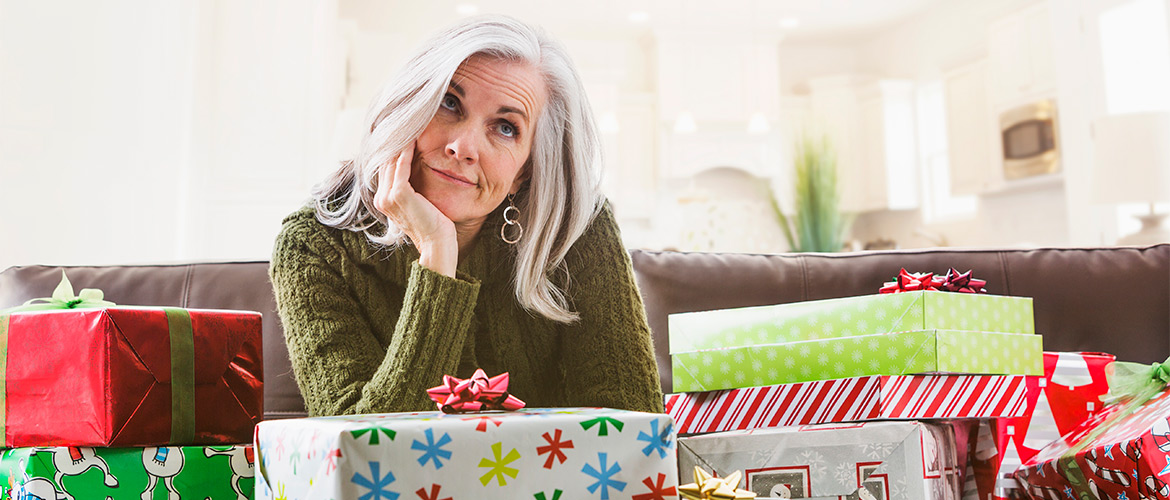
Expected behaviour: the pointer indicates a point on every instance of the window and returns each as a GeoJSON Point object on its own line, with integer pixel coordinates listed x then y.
{"type": "Point", "coordinates": [1135, 61]}
{"type": "Point", "coordinates": [937, 202]}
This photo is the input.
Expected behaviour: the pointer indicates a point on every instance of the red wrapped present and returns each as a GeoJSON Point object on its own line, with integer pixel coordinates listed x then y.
{"type": "Point", "coordinates": [1068, 395]}
{"type": "Point", "coordinates": [1121, 452]}
{"type": "Point", "coordinates": [128, 376]}
{"type": "Point", "coordinates": [909, 397]}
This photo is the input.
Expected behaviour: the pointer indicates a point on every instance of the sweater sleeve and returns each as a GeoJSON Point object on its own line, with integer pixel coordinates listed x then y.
{"type": "Point", "coordinates": [339, 363]}
{"type": "Point", "coordinates": [608, 354]}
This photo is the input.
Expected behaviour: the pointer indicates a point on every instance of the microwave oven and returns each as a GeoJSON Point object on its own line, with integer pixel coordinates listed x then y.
{"type": "Point", "coordinates": [1029, 139]}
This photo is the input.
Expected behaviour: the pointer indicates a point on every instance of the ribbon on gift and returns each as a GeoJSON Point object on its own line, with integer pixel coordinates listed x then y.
{"type": "Point", "coordinates": [1131, 385]}
{"type": "Point", "coordinates": [707, 487]}
{"type": "Point", "coordinates": [1135, 381]}
{"type": "Point", "coordinates": [478, 393]}
{"type": "Point", "coordinates": [63, 298]}
{"type": "Point", "coordinates": [182, 341]}
{"type": "Point", "coordinates": [954, 281]}
{"type": "Point", "coordinates": [909, 282]}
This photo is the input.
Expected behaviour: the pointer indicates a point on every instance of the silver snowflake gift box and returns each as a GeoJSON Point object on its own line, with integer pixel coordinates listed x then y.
{"type": "Point", "coordinates": [873, 460]}
{"type": "Point", "coordinates": [555, 453]}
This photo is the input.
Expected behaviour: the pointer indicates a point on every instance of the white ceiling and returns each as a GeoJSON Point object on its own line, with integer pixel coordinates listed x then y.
{"type": "Point", "coordinates": [817, 19]}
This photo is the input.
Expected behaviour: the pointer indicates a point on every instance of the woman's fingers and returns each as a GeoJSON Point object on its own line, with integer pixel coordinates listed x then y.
{"type": "Point", "coordinates": [406, 208]}
{"type": "Point", "coordinates": [402, 168]}
{"type": "Point", "coordinates": [428, 228]}
{"type": "Point", "coordinates": [394, 183]}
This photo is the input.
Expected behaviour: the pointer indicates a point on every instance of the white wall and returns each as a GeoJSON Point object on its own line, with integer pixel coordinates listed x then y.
{"type": "Point", "coordinates": [140, 131]}
{"type": "Point", "coordinates": [947, 35]}
{"type": "Point", "coordinates": [95, 109]}
{"type": "Point", "coordinates": [801, 62]}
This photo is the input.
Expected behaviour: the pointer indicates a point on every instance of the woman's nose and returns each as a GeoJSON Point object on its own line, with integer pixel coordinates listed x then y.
{"type": "Point", "coordinates": [463, 146]}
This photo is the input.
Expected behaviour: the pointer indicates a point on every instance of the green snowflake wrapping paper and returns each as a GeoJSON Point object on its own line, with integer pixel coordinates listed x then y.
{"type": "Point", "coordinates": [871, 460]}
{"type": "Point", "coordinates": [541, 454]}
{"type": "Point", "coordinates": [902, 353]}
{"type": "Point", "coordinates": [155, 473]}
{"type": "Point", "coordinates": [864, 315]}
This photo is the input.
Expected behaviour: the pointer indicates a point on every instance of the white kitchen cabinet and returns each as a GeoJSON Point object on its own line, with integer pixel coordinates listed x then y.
{"type": "Point", "coordinates": [1020, 58]}
{"type": "Point", "coordinates": [889, 148]}
{"type": "Point", "coordinates": [834, 111]}
{"type": "Point", "coordinates": [871, 125]}
{"type": "Point", "coordinates": [717, 79]}
{"type": "Point", "coordinates": [971, 130]}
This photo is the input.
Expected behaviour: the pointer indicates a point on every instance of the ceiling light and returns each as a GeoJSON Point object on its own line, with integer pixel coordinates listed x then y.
{"type": "Point", "coordinates": [639, 16]}
{"type": "Point", "coordinates": [466, 9]}
{"type": "Point", "coordinates": [789, 22]}
{"type": "Point", "coordinates": [685, 123]}
{"type": "Point", "coordinates": [758, 124]}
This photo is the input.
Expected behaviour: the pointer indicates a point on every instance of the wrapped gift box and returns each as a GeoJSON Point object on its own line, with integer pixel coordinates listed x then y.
{"type": "Point", "coordinates": [1067, 396]}
{"type": "Point", "coordinates": [1122, 451]}
{"type": "Point", "coordinates": [216, 473]}
{"type": "Point", "coordinates": [901, 353]}
{"type": "Point", "coordinates": [889, 460]}
{"type": "Point", "coordinates": [565, 453]}
{"type": "Point", "coordinates": [124, 376]}
{"type": "Point", "coordinates": [864, 315]}
{"type": "Point", "coordinates": [844, 400]}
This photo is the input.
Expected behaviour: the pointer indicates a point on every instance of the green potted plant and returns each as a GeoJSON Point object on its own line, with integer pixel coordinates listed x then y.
{"type": "Point", "coordinates": [818, 224]}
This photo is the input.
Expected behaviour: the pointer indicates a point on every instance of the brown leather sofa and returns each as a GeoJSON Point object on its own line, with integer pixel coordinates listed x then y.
{"type": "Point", "coordinates": [1086, 299]}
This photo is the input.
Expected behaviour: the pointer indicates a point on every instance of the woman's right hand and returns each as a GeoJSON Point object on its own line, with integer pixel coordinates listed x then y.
{"type": "Point", "coordinates": [430, 231]}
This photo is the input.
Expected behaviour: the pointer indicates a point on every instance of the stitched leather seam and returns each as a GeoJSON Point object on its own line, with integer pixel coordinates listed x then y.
{"type": "Point", "coordinates": [187, 286]}
{"type": "Point", "coordinates": [1003, 268]}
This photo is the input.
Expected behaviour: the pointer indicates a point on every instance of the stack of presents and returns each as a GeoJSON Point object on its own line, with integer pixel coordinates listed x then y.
{"type": "Point", "coordinates": [101, 401]}
{"type": "Point", "coordinates": [930, 389]}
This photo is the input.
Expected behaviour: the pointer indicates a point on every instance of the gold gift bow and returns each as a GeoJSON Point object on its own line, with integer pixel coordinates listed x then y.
{"type": "Point", "coordinates": [706, 487]}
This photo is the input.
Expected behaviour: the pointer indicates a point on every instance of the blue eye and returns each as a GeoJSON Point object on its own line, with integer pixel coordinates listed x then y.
{"type": "Point", "coordinates": [449, 102]}
{"type": "Point", "coordinates": [507, 129]}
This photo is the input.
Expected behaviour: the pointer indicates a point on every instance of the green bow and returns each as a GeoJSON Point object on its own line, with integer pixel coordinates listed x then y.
{"type": "Point", "coordinates": [1136, 381]}
{"type": "Point", "coordinates": [63, 298]}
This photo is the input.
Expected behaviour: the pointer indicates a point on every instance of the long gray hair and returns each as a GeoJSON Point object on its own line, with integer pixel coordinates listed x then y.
{"type": "Point", "coordinates": [563, 195]}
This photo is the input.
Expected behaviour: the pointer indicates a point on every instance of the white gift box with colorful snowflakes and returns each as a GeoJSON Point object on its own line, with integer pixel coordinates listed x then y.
{"type": "Point", "coordinates": [545, 454]}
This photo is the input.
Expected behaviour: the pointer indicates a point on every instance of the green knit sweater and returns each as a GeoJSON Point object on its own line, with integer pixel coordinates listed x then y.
{"type": "Point", "coordinates": [369, 329]}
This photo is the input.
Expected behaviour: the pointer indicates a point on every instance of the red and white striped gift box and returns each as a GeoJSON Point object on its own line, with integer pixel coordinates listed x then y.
{"type": "Point", "coordinates": [850, 399]}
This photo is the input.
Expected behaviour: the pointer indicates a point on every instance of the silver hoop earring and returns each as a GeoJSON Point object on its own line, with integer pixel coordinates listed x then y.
{"type": "Point", "coordinates": [511, 219]}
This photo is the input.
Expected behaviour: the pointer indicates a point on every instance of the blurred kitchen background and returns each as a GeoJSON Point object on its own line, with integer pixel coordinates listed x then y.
{"type": "Point", "coordinates": [151, 131]}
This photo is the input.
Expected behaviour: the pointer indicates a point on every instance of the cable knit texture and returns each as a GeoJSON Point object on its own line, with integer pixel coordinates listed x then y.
{"type": "Point", "coordinates": [369, 329]}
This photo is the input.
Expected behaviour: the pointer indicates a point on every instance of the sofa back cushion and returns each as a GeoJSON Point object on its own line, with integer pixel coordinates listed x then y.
{"type": "Point", "coordinates": [1113, 300]}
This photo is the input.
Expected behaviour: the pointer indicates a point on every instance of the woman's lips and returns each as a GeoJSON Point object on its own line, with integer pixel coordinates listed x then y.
{"type": "Point", "coordinates": [452, 176]}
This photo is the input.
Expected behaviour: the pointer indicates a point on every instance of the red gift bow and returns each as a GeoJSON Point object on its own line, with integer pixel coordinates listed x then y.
{"type": "Point", "coordinates": [962, 283]}
{"type": "Point", "coordinates": [478, 393]}
{"type": "Point", "coordinates": [954, 281]}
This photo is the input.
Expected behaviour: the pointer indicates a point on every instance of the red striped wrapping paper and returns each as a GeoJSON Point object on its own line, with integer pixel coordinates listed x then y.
{"type": "Point", "coordinates": [850, 399]}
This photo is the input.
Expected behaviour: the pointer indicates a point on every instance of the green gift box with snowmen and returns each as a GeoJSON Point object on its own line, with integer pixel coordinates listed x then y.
{"type": "Point", "coordinates": [154, 473]}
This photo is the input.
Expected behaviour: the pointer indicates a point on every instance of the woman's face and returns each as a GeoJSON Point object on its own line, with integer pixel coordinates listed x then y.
{"type": "Point", "coordinates": [469, 158]}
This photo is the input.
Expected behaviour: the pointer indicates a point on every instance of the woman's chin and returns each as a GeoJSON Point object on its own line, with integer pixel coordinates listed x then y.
{"type": "Point", "coordinates": [454, 210]}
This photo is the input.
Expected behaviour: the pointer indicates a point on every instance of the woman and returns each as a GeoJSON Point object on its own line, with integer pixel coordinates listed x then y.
{"type": "Point", "coordinates": [468, 233]}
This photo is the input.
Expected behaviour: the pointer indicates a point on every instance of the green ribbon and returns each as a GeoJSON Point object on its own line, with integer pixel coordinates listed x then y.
{"type": "Point", "coordinates": [1135, 381]}
{"type": "Point", "coordinates": [182, 375]}
{"type": "Point", "coordinates": [1131, 385]}
{"type": "Point", "coordinates": [63, 298]}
